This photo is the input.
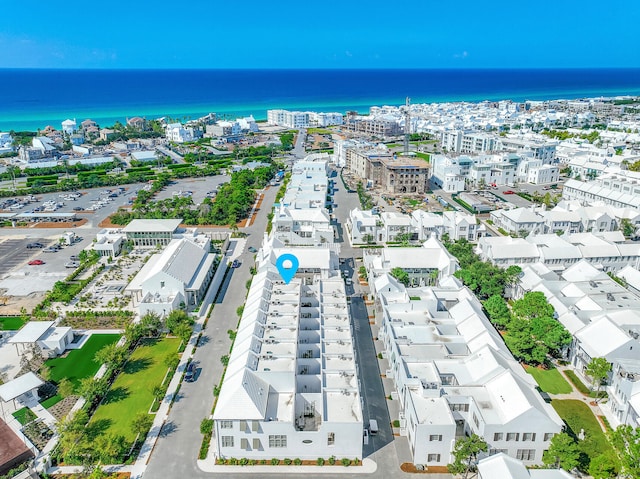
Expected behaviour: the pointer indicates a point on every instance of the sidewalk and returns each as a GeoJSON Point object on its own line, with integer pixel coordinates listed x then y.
{"type": "Point", "coordinates": [575, 394]}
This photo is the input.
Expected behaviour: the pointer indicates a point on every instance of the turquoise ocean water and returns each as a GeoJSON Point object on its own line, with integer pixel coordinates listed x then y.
{"type": "Point", "coordinates": [31, 99]}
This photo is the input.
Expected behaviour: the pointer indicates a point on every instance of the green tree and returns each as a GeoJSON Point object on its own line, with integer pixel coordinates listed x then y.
{"type": "Point", "coordinates": [177, 317]}
{"type": "Point", "coordinates": [112, 355]}
{"type": "Point", "coordinates": [598, 370]}
{"type": "Point", "coordinates": [626, 441]}
{"type": "Point", "coordinates": [110, 447]}
{"type": "Point", "coordinates": [93, 389]}
{"type": "Point", "coordinates": [604, 466]}
{"type": "Point", "coordinates": [401, 275]}
{"type": "Point", "coordinates": [465, 454]}
{"type": "Point", "coordinates": [497, 311]}
{"type": "Point", "coordinates": [206, 426]}
{"type": "Point", "coordinates": [532, 305]}
{"type": "Point", "coordinates": [141, 423]}
{"type": "Point", "coordinates": [563, 452]}
{"type": "Point", "coordinates": [627, 227]}
{"type": "Point", "coordinates": [73, 439]}
{"type": "Point", "coordinates": [65, 388]}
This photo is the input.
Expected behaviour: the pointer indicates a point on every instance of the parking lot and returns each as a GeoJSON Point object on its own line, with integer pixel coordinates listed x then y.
{"type": "Point", "coordinates": [197, 188]}
{"type": "Point", "coordinates": [14, 253]}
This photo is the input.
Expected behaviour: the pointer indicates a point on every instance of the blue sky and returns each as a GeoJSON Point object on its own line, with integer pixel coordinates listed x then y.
{"type": "Point", "coordinates": [326, 34]}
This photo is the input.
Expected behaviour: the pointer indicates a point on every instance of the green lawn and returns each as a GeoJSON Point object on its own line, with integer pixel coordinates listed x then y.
{"type": "Point", "coordinates": [11, 323]}
{"type": "Point", "coordinates": [424, 156]}
{"type": "Point", "coordinates": [78, 363]}
{"type": "Point", "coordinates": [549, 380]}
{"type": "Point", "coordinates": [24, 415]}
{"type": "Point", "coordinates": [578, 416]}
{"type": "Point", "coordinates": [131, 392]}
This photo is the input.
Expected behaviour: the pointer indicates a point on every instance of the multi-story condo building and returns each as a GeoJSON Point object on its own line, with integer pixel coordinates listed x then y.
{"type": "Point", "coordinates": [624, 394]}
{"type": "Point", "coordinates": [291, 387]}
{"type": "Point", "coordinates": [373, 126]}
{"type": "Point", "coordinates": [619, 190]}
{"type": "Point", "coordinates": [303, 119]}
{"type": "Point", "coordinates": [454, 377]}
{"type": "Point", "coordinates": [607, 251]}
{"type": "Point", "coordinates": [393, 174]}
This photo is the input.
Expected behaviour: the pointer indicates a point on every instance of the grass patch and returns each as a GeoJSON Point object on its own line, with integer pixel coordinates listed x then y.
{"type": "Point", "coordinates": [578, 416]}
{"type": "Point", "coordinates": [24, 415]}
{"type": "Point", "coordinates": [11, 323]}
{"type": "Point", "coordinates": [132, 391]}
{"type": "Point", "coordinates": [580, 386]}
{"type": "Point", "coordinates": [52, 401]}
{"type": "Point", "coordinates": [549, 380]}
{"type": "Point", "coordinates": [423, 156]}
{"type": "Point", "coordinates": [79, 363]}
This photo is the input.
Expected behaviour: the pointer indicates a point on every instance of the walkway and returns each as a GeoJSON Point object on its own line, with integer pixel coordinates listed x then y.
{"type": "Point", "coordinates": [577, 395]}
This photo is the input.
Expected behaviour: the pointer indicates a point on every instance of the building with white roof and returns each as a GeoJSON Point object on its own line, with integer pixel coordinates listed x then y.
{"type": "Point", "coordinates": [606, 250]}
{"type": "Point", "coordinates": [623, 406]}
{"type": "Point", "coordinates": [301, 218]}
{"type": "Point", "coordinates": [291, 388]}
{"type": "Point", "coordinates": [69, 127]}
{"type": "Point", "coordinates": [23, 388]}
{"type": "Point", "coordinates": [424, 265]}
{"type": "Point", "coordinates": [51, 339]}
{"type": "Point", "coordinates": [394, 227]}
{"type": "Point", "coordinates": [179, 275]}
{"type": "Point", "coordinates": [502, 466]}
{"type": "Point", "coordinates": [151, 232]}
{"type": "Point", "coordinates": [622, 191]}
{"type": "Point", "coordinates": [362, 226]}
{"type": "Point", "coordinates": [177, 133]}
{"type": "Point", "coordinates": [454, 376]}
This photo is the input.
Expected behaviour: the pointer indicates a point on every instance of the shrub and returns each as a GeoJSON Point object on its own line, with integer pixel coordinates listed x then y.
{"type": "Point", "coordinates": [206, 426]}
{"type": "Point", "coordinates": [345, 462]}
{"type": "Point", "coordinates": [320, 461]}
{"type": "Point", "coordinates": [275, 461]}
{"type": "Point", "coordinates": [225, 360]}
{"type": "Point", "coordinates": [287, 461]}
{"type": "Point", "coordinates": [244, 461]}
{"type": "Point", "coordinates": [332, 460]}
{"type": "Point", "coordinates": [396, 423]}
{"type": "Point", "coordinates": [233, 461]}
{"type": "Point", "coordinates": [297, 461]}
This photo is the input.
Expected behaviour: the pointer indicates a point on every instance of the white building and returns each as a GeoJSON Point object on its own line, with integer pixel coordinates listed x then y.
{"type": "Point", "coordinates": [302, 226]}
{"type": "Point", "coordinates": [6, 142]}
{"type": "Point", "coordinates": [607, 251]}
{"type": "Point", "coordinates": [623, 406]}
{"type": "Point", "coordinates": [108, 242]}
{"type": "Point", "coordinates": [450, 173]}
{"type": "Point", "coordinates": [177, 133]}
{"type": "Point", "coordinates": [424, 265]}
{"type": "Point", "coordinates": [303, 119]}
{"type": "Point", "coordinates": [502, 466]}
{"type": "Point", "coordinates": [622, 191]}
{"type": "Point", "coordinates": [543, 174]}
{"type": "Point", "coordinates": [454, 376]}
{"type": "Point", "coordinates": [69, 127]}
{"type": "Point", "coordinates": [291, 388]}
{"type": "Point", "coordinates": [51, 339]}
{"type": "Point", "coordinates": [362, 226]}
{"type": "Point", "coordinates": [177, 277]}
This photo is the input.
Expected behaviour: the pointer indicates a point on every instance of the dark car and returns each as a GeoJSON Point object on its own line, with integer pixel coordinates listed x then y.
{"type": "Point", "coordinates": [35, 245]}
{"type": "Point", "coordinates": [78, 208]}
{"type": "Point", "coordinates": [235, 263]}
{"type": "Point", "coordinates": [190, 373]}
{"type": "Point", "coordinates": [252, 249]}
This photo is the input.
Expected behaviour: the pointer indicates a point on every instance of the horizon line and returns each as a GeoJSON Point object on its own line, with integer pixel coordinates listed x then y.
{"type": "Point", "coordinates": [458, 68]}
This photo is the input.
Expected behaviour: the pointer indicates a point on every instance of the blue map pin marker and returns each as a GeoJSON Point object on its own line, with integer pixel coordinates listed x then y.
{"type": "Point", "coordinates": [287, 265]}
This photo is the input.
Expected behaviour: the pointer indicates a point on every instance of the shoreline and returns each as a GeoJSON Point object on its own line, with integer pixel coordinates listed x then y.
{"type": "Point", "coordinates": [106, 96]}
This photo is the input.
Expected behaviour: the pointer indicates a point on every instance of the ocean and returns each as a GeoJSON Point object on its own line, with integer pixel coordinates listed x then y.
{"type": "Point", "coordinates": [32, 98]}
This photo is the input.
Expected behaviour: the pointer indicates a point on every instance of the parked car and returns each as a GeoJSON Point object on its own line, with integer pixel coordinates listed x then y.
{"type": "Point", "coordinates": [35, 245]}
{"type": "Point", "coordinates": [78, 208]}
{"type": "Point", "coordinates": [50, 249]}
{"type": "Point", "coordinates": [508, 192]}
{"type": "Point", "coordinates": [190, 373]}
{"type": "Point", "coordinates": [35, 262]}
{"type": "Point", "coordinates": [235, 263]}
{"type": "Point", "coordinates": [73, 257]}
{"type": "Point", "coordinates": [71, 264]}
{"type": "Point", "coordinates": [252, 249]}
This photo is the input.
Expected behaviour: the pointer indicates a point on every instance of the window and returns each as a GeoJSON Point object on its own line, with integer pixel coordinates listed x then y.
{"type": "Point", "coordinates": [433, 458]}
{"type": "Point", "coordinates": [513, 436]}
{"type": "Point", "coordinates": [162, 284]}
{"type": "Point", "coordinates": [244, 443]}
{"type": "Point", "coordinates": [475, 420]}
{"type": "Point", "coordinates": [493, 452]}
{"type": "Point", "coordinates": [254, 426]}
{"type": "Point", "coordinates": [548, 436]}
{"type": "Point", "coordinates": [226, 424]}
{"type": "Point", "coordinates": [526, 454]}
{"type": "Point", "coordinates": [435, 437]}
{"type": "Point", "coordinates": [459, 407]}
{"type": "Point", "coordinates": [331, 438]}
{"type": "Point", "coordinates": [243, 425]}
{"type": "Point", "coordinates": [256, 443]}
{"type": "Point", "coordinates": [277, 440]}
{"type": "Point", "coordinates": [226, 441]}
{"type": "Point", "coordinates": [497, 436]}
{"type": "Point", "coordinates": [529, 436]}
